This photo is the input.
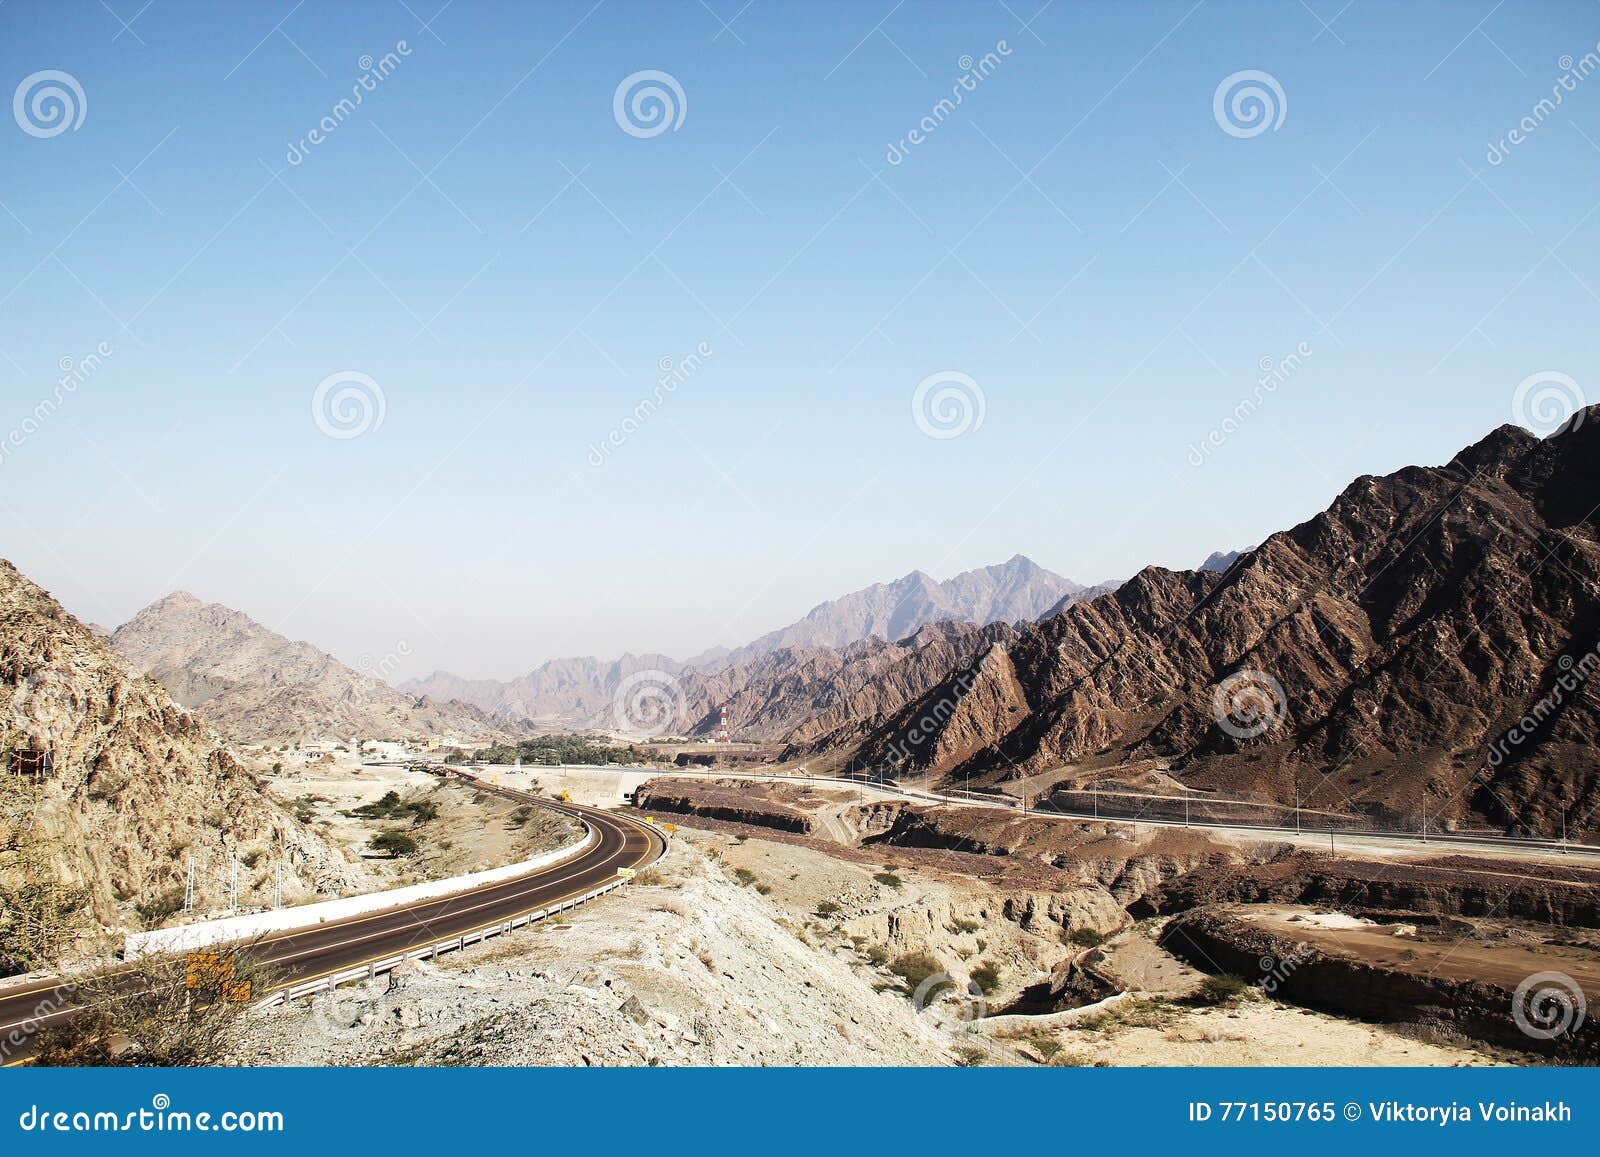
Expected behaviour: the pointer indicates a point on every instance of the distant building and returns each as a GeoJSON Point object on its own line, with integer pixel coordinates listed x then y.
{"type": "Point", "coordinates": [32, 762]}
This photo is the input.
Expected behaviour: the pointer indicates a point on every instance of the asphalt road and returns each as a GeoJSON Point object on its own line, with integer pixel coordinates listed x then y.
{"type": "Point", "coordinates": [325, 949]}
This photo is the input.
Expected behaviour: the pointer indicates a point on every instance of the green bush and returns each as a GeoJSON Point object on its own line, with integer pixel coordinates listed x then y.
{"type": "Point", "coordinates": [987, 977]}
{"type": "Point", "coordinates": [915, 967]}
{"type": "Point", "coordinates": [888, 879]}
{"type": "Point", "coordinates": [393, 842]}
{"type": "Point", "coordinates": [827, 908]}
{"type": "Point", "coordinates": [1218, 990]}
{"type": "Point", "coordinates": [745, 876]}
{"type": "Point", "coordinates": [1085, 938]}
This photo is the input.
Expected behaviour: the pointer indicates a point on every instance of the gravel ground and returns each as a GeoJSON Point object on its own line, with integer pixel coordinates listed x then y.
{"type": "Point", "coordinates": [685, 967]}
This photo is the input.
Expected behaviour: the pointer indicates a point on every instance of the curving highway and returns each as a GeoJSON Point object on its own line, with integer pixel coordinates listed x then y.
{"type": "Point", "coordinates": [326, 950]}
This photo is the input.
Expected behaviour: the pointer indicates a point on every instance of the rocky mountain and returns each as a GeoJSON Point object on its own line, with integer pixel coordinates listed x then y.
{"type": "Point", "coordinates": [134, 785]}
{"type": "Point", "coordinates": [799, 694]}
{"type": "Point", "coordinates": [256, 685]}
{"type": "Point", "coordinates": [1218, 561]}
{"type": "Point", "coordinates": [583, 692]}
{"type": "Point", "coordinates": [1430, 637]}
{"type": "Point", "coordinates": [1016, 590]}
{"type": "Point", "coordinates": [561, 693]}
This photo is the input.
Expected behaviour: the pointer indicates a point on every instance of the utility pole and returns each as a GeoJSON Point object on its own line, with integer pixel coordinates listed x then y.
{"type": "Point", "coordinates": [1296, 805]}
{"type": "Point", "coordinates": [1424, 813]}
{"type": "Point", "coordinates": [233, 890]}
{"type": "Point", "coordinates": [1186, 808]}
{"type": "Point", "coordinates": [277, 899]}
{"type": "Point", "coordinates": [188, 887]}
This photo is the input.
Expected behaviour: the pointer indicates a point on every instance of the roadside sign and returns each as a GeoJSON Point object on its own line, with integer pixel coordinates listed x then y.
{"type": "Point", "coordinates": [625, 873]}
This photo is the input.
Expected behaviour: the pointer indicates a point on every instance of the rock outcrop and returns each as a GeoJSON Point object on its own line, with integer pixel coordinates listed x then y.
{"type": "Point", "coordinates": [117, 787]}
{"type": "Point", "coordinates": [1426, 642]}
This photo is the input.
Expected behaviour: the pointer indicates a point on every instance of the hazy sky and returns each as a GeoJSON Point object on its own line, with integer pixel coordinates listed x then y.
{"type": "Point", "coordinates": [1094, 236]}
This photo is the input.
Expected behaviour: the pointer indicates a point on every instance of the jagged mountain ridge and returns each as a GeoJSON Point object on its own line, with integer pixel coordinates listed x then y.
{"type": "Point", "coordinates": [582, 691]}
{"type": "Point", "coordinates": [256, 685]}
{"type": "Point", "coordinates": [1410, 626]}
{"type": "Point", "coordinates": [138, 784]}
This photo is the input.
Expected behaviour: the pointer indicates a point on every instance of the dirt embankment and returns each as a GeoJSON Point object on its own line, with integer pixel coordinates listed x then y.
{"type": "Point", "coordinates": [1508, 985]}
{"type": "Point", "coordinates": [1548, 893]}
{"type": "Point", "coordinates": [781, 806]}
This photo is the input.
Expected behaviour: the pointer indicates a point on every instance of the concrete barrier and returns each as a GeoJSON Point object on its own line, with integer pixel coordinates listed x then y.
{"type": "Point", "coordinates": [193, 936]}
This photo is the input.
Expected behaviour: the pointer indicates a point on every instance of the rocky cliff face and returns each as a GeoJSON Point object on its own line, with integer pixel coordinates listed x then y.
{"type": "Point", "coordinates": [824, 698]}
{"type": "Point", "coordinates": [253, 684]}
{"type": "Point", "coordinates": [1430, 636]}
{"type": "Point", "coordinates": [138, 785]}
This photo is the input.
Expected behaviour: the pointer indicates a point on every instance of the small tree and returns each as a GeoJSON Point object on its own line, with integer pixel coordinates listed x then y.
{"type": "Point", "coordinates": [393, 843]}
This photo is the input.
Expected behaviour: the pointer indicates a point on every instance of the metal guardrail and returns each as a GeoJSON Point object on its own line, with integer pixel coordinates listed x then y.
{"type": "Point", "coordinates": [431, 951]}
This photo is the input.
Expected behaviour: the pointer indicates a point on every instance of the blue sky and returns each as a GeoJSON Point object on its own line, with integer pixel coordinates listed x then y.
{"type": "Point", "coordinates": [1081, 237]}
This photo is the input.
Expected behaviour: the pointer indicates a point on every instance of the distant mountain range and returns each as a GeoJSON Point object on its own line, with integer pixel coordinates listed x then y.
{"type": "Point", "coordinates": [255, 685]}
{"type": "Point", "coordinates": [581, 692]}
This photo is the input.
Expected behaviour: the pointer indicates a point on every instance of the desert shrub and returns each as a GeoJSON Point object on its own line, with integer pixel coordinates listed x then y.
{"type": "Point", "coordinates": [184, 1010]}
{"type": "Point", "coordinates": [827, 908]}
{"type": "Point", "coordinates": [971, 1056]}
{"type": "Point", "coordinates": [745, 876]}
{"type": "Point", "coordinates": [966, 927]}
{"type": "Point", "coordinates": [1218, 990]}
{"type": "Point", "coordinates": [1085, 938]}
{"type": "Point", "coordinates": [987, 977]}
{"type": "Point", "coordinates": [1140, 1012]}
{"type": "Point", "coordinates": [393, 842]}
{"type": "Point", "coordinates": [1045, 1045]}
{"type": "Point", "coordinates": [160, 907]}
{"type": "Point", "coordinates": [877, 954]}
{"type": "Point", "coordinates": [915, 967]}
{"type": "Point", "coordinates": [888, 879]}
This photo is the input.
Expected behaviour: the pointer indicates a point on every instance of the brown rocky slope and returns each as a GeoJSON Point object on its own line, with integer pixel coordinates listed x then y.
{"type": "Point", "coordinates": [1410, 627]}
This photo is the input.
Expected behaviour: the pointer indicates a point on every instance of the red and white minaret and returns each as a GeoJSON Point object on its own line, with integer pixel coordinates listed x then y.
{"type": "Point", "coordinates": [722, 726]}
